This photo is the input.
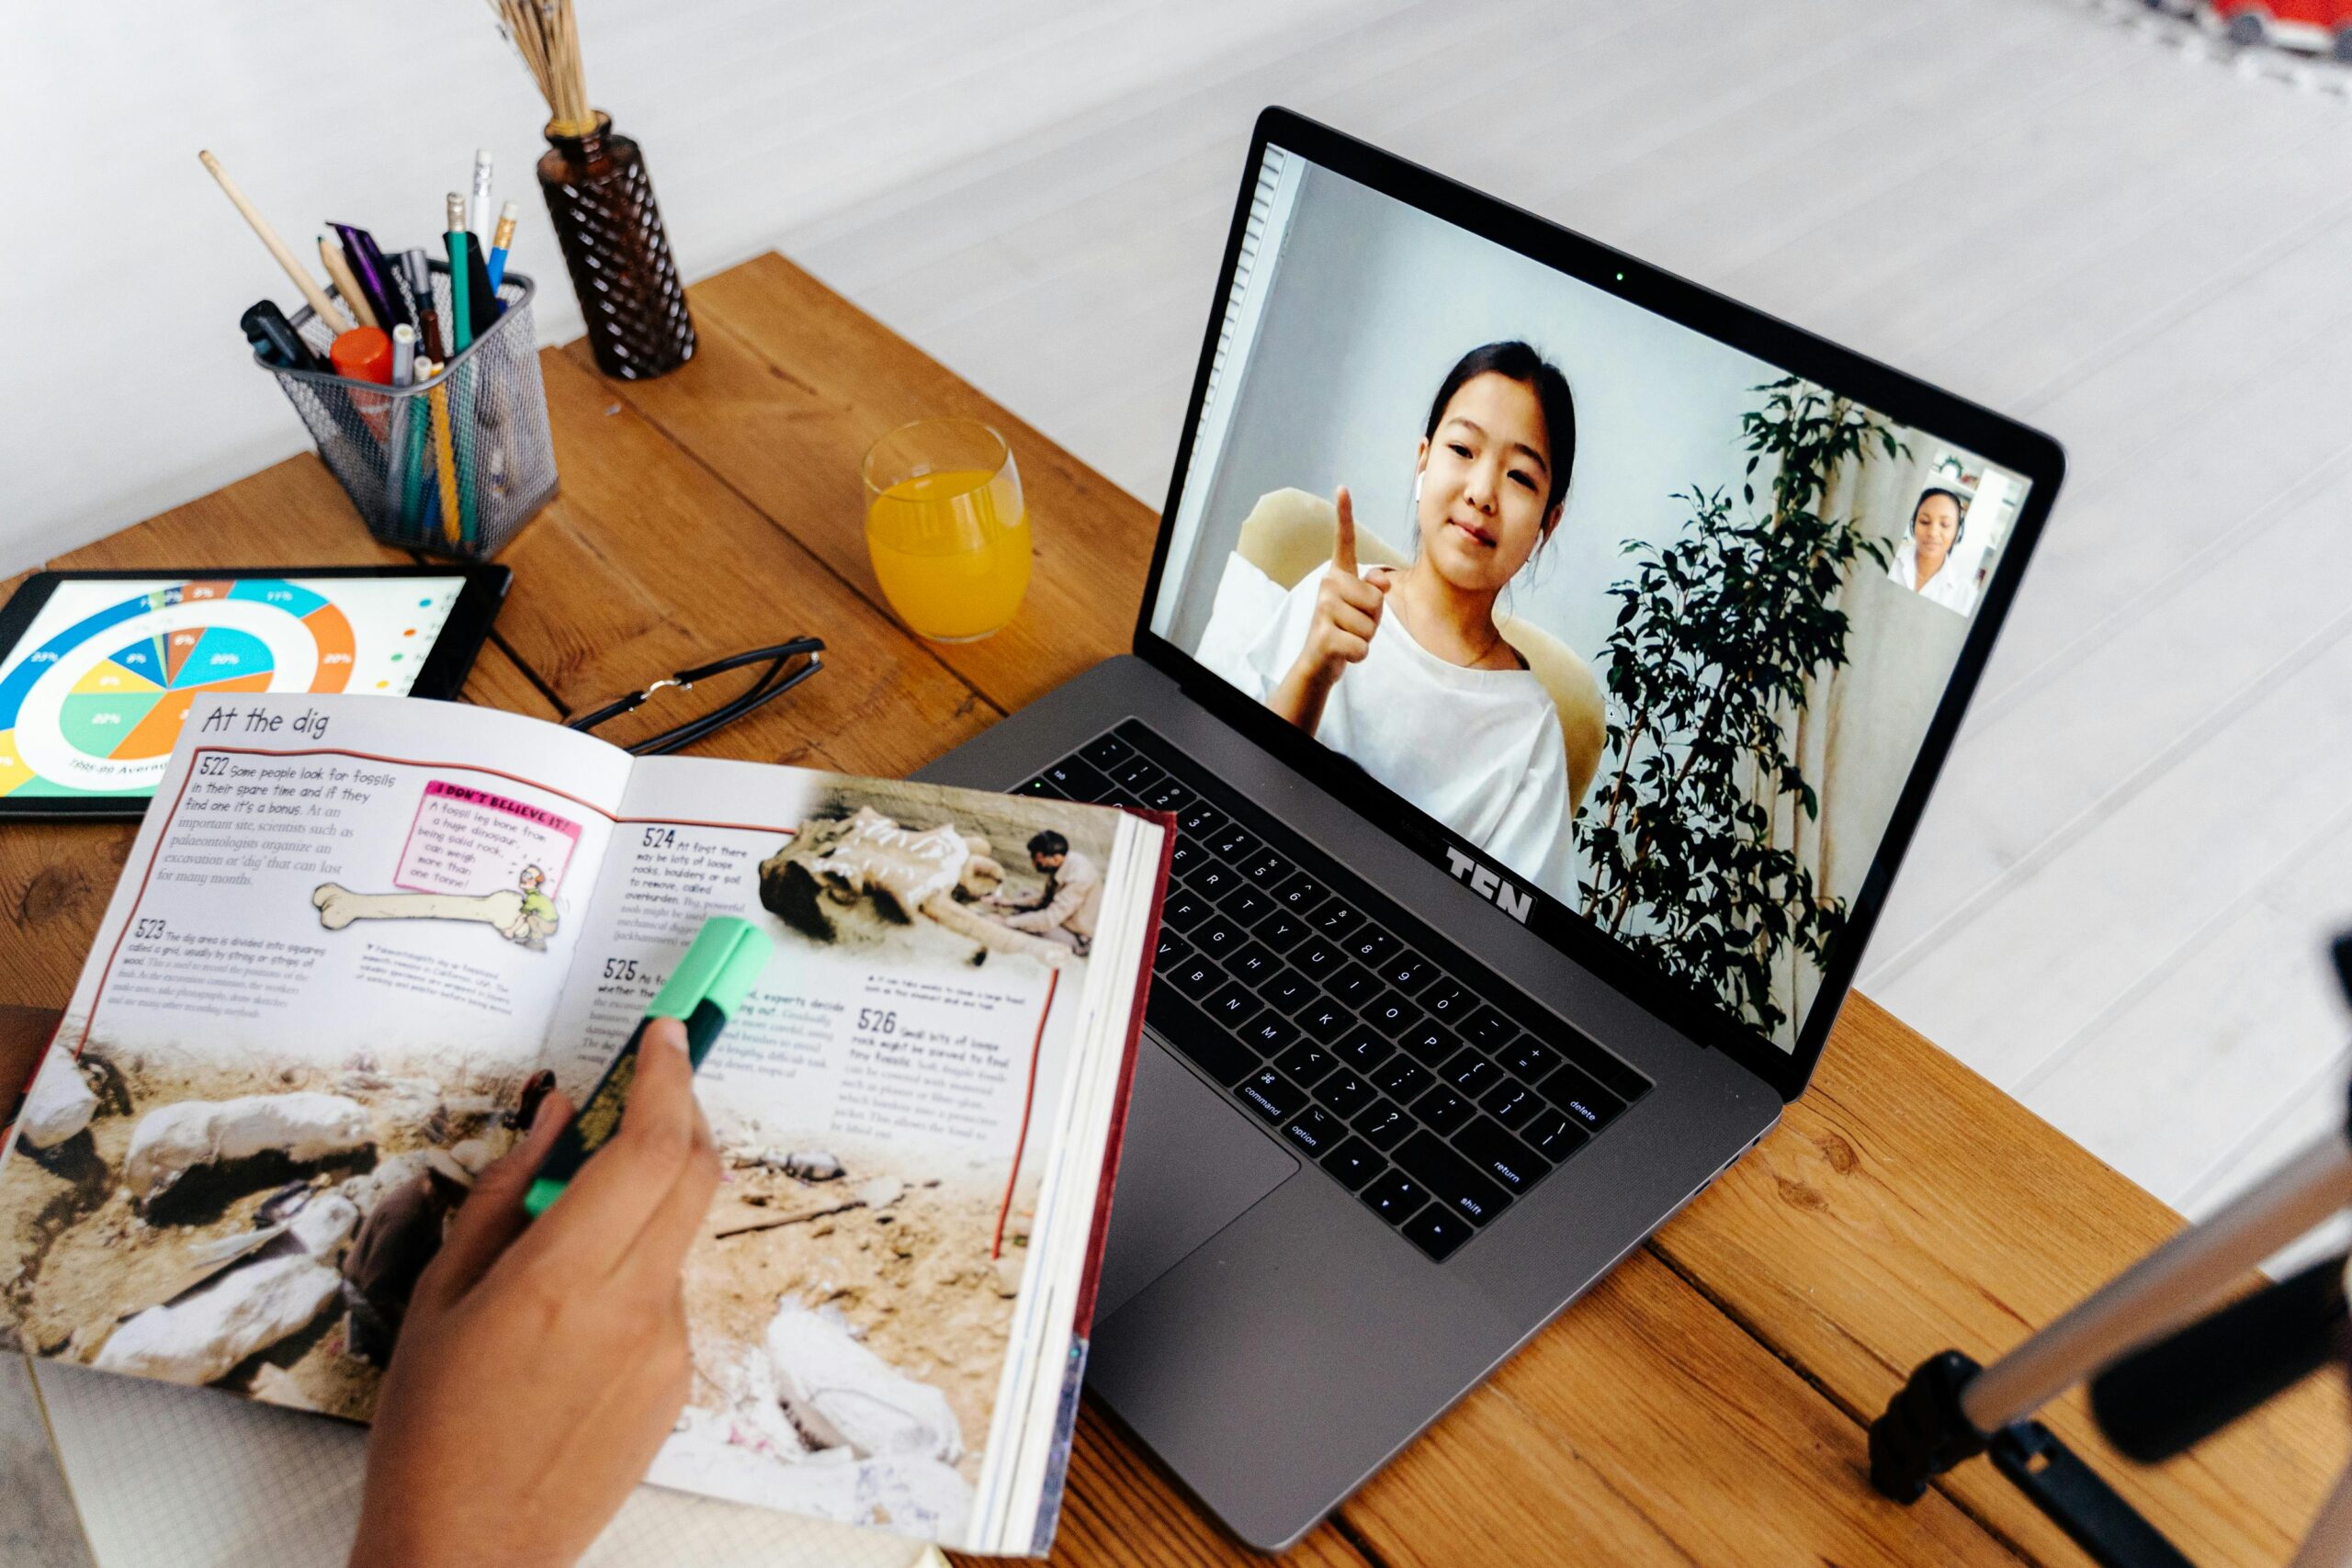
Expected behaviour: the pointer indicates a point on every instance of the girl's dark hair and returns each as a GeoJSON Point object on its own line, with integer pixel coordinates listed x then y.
{"type": "Point", "coordinates": [1960, 505]}
{"type": "Point", "coordinates": [1530, 369]}
{"type": "Point", "coordinates": [1048, 843]}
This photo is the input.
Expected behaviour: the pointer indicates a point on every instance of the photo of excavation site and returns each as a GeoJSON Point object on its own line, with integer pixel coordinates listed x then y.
{"type": "Point", "coordinates": [257, 1226]}
{"type": "Point", "coordinates": [926, 872]}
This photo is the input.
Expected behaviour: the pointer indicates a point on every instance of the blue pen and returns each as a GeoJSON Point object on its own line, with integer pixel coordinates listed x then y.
{"type": "Point", "coordinates": [503, 238]}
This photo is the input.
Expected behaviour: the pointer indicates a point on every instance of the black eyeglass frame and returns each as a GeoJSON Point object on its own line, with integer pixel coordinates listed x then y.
{"type": "Point", "coordinates": [772, 683]}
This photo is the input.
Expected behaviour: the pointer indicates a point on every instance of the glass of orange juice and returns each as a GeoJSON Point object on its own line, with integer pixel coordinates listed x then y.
{"type": "Point", "coordinates": [947, 527]}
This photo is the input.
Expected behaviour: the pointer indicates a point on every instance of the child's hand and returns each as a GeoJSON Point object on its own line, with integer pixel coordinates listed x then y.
{"type": "Point", "coordinates": [1346, 606]}
{"type": "Point", "coordinates": [1347, 613]}
{"type": "Point", "coordinates": [541, 1364]}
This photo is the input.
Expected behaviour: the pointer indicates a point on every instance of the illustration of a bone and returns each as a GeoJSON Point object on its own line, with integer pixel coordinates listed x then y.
{"type": "Point", "coordinates": [339, 906]}
{"type": "Point", "coordinates": [906, 872]}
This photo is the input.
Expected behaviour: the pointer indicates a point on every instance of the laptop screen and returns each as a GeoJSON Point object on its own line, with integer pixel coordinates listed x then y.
{"type": "Point", "coordinates": [1649, 628]}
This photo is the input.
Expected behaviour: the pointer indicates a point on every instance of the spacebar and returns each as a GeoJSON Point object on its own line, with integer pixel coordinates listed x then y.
{"type": "Point", "coordinates": [1174, 1019]}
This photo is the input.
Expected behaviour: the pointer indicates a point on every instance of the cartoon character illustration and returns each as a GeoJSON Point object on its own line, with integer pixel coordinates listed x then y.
{"type": "Point", "coordinates": [536, 922]}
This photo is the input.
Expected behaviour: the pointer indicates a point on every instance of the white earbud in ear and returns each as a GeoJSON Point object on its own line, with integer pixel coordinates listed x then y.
{"type": "Point", "coordinates": [1417, 487]}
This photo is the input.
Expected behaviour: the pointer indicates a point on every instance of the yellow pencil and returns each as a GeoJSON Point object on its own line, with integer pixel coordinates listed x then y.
{"type": "Point", "coordinates": [446, 460]}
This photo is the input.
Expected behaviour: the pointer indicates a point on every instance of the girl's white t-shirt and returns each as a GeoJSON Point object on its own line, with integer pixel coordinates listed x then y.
{"type": "Point", "coordinates": [1480, 750]}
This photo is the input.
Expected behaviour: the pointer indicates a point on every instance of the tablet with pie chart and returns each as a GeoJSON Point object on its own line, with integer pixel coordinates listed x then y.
{"type": "Point", "coordinates": [97, 670]}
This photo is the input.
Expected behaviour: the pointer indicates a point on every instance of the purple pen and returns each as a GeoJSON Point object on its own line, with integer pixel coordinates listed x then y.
{"type": "Point", "coordinates": [375, 277]}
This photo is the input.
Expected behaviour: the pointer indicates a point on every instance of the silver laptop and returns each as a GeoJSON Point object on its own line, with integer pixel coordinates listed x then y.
{"type": "Point", "coordinates": [1535, 804]}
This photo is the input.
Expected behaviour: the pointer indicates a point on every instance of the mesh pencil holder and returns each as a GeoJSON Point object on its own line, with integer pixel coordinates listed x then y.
{"type": "Point", "coordinates": [454, 465]}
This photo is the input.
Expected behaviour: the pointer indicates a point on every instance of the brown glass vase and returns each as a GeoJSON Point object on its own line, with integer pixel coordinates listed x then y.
{"type": "Point", "coordinates": [602, 201]}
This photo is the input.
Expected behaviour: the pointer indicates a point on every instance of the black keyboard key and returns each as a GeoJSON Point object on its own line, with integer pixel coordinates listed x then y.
{"type": "Point", "coordinates": [1443, 1110]}
{"type": "Point", "coordinates": [1251, 964]}
{"type": "Point", "coordinates": [1336, 918]}
{"type": "Point", "coordinates": [1040, 788]}
{"type": "Point", "coordinates": [1185, 909]}
{"type": "Point", "coordinates": [1402, 1079]}
{"type": "Point", "coordinates": [1353, 984]}
{"type": "Point", "coordinates": [1280, 930]}
{"type": "Point", "coordinates": [1189, 1030]}
{"type": "Point", "coordinates": [1448, 1000]}
{"type": "Point", "coordinates": [1529, 1057]}
{"type": "Point", "coordinates": [1216, 936]}
{"type": "Point", "coordinates": [1318, 958]}
{"type": "Point", "coordinates": [1173, 950]}
{"type": "Point", "coordinates": [1394, 1196]}
{"type": "Point", "coordinates": [1383, 1125]}
{"type": "Point", "coordinates": [1306, 1062]}
{"type": "Point", "coordinates": [1235, 843]}
{"type": "Point", "coordinates": [1167, 796]}
{"type": "Point", "coordinates": [1500, 1156]}
{"type": "Point", "coordinates": [1511, 1103]}
{"type": "Point", "coordinates": [1245, 904]}
{"type": "Point", "coordinates": [1199, 819]}
{"type": "Point", "coordinates": [1196, 977]}
{"type": "Point", "coordinates": [1209, 876]}
{"type": "Point", "coordinates": [1471, 1075]}
{"type": "Point", "coordinates": [1271, 1095]}
{"type": "Point", "coordinates": [1300, 894]}
{"type": "Point", "coordinates": [1371, 945]}
{"type": "Point", "coordinates": [1289, 990]}
{"type": "Point", "coordinates": [1591, 1106]}
{"type": "Point", "coordinates": [1552, 1134]}
{"type": "Point", "coordinates": [1077, 780]}
{"type": "Point", "coordinates": [1317, 1131]}
{"type": "Point", "coordinates": [1487, 1028]}
{"type": "Point", "coordinates": [1184, 857]}
{"type": "Point", "coordinates": [1362, 1049]}
{"type": "Point", "coordinates": [1269, 1033]}
{"type": "Point", "coordinates": [1431, 1045]}
{"type": "Point", "coordinates": [1104, 751]}
{"type": "Point", "coordinates": [1232, 1005]}
{"type": "Point", "coordinates": [1354, 1163]}
{"type": "Point", "coordinates": [1408, 972]}
{"type": "Point", "coordinates": [1455, 1181]}
{"type": "Point", "coordinates": [1324, 1019]}
{"type": "Point", "coordinates": [1267, 868]}
{"type": "Point", "coordinates": [1134, 774]}
{"type": "Point", "coordinates": [1345, 1093]}
{"type": "Point", "coordinates": [1390, 1013]}
{"type": "Point", "coordinates": [1436, 1232]}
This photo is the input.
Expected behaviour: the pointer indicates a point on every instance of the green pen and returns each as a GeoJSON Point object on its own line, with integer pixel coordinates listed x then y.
{"type": "Point", "coordinates": [703, 992]}
{"type": "Point", "coordinates": [461, 337]}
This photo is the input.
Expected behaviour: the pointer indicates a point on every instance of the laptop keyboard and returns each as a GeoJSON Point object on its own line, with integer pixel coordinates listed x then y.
{"type": "Point", "coordinates": [1403, 1070]}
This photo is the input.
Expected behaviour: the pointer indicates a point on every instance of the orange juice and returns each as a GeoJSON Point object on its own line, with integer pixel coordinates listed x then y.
{"type": "Point", "coordinates": [952, 549]}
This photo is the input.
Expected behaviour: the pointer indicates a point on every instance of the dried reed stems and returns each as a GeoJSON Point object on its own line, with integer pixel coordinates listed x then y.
{"type": "Point", "coordinates": [545, 33]}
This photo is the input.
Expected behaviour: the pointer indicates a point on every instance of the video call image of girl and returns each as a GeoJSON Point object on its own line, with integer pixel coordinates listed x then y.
{"type": "Point", "coordinates": [1404, 669]}
{"type": "Point", "coordinates": [1923, 561]}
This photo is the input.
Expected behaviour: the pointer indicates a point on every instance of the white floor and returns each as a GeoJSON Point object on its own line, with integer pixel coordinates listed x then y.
{"type": "Point", "coordinates": [2116, 907]}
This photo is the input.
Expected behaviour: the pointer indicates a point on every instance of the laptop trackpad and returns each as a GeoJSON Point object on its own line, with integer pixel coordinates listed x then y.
{"type": "Point", "coordinates": [1189, 1167]}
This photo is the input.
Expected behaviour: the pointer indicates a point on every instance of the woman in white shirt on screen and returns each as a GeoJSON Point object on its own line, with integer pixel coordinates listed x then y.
{"type": "Point", "coordinates": [1404, 669]}
{"type": "Point", "coordinates": [1923, 563]}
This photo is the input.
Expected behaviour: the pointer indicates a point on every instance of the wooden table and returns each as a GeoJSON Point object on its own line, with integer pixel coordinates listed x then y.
{"type": "Point", "coordinates": [1706, 1404]}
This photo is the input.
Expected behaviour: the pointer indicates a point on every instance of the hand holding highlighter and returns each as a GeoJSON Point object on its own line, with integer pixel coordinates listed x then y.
{"type": "Point", "coordinates": [702, 993]}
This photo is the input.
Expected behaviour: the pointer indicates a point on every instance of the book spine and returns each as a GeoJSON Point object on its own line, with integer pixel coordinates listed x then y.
{"type": "Point", "coordinates": [1117, 1137]}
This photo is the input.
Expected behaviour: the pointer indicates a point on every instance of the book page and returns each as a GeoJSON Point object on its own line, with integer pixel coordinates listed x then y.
{"type": "Point", "coordinates": [324, 977]}
{"type": "Point", "coordinates": [888, 1102]}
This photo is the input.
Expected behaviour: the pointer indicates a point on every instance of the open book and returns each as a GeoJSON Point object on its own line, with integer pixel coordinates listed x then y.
{"type": "Point", "coordinates": [357, 938]}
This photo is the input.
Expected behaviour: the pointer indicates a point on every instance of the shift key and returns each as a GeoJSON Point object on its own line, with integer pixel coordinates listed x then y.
{"type": "Point", "coordinates": [1451, 1178]}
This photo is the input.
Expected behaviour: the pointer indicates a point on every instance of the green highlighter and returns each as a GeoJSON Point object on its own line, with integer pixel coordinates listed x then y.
{"type": "Point", "coordinates": [702, 993]}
